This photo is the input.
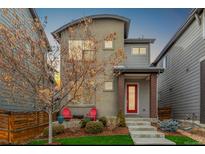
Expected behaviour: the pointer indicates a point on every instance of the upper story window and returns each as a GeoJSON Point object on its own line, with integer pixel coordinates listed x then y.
{"type": "Point", "coordinates": [108, 86]}
{"type": "Point", "coordinates": [81, 49]}
{"type": "Point", "coordinates": [164, 64]}
{"type": "Point", "coordinates": [108, 44]}
{"type": "Point", "coordinates": [139, 51]}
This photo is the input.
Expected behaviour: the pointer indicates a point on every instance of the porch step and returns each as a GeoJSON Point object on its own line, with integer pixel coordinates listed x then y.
{"type": "Point", "coordinates": [152, 141]}
{"type": "Point", "coordinates": [143, 133]}
{"type": "Point", "coordinates": [138, 123]}
{"type": "Point", "coordinates": [142, 128]}
{"type": "Point", "coordinates": [129, 119]}
{"type": "Point", "coordinates": [146, 134]}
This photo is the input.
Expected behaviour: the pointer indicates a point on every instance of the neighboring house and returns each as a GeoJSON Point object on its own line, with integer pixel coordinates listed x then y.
{"type": "Point", "coordinates": [182, 85]}
{"type": "Point", "coordinates": [28, 16]}
{"type": "Point", "coordinates": [134, 91]}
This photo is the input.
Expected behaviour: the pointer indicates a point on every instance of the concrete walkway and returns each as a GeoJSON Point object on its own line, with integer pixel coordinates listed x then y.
{"type": "Point", "coordinates": [143, 133]}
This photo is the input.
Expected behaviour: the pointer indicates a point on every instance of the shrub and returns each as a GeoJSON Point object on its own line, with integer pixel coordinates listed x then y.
{"type": "Point", "coordinates": [121, 119]}
{"type": "Point", "coordinates": [112, 123]}
{"type": "Point", "coordinates": [94, 127]}
{"type": "Point", "coordinates": [84, 122]}
{"type": "Point", "coordinates": [57, 129]}
{"type": "Point", "coordinates": [74, 125]}
{"type": "Point", "coordinates": [169, 125]}
{"type": "Point", "coordinates": [103, 120]}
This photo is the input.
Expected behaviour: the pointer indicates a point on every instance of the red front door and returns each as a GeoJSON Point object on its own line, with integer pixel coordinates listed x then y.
{"type": "Point", "coordinates": [132, 98]}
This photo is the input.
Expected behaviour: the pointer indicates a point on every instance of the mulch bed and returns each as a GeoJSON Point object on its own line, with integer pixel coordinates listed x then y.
{"type": "Point", "coordinates": [195, 136]}
{"type": "Point", "coordinates": [81, 132]}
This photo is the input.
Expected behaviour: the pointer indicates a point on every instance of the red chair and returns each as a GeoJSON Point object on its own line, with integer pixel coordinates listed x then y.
{"type": "Point", "coordinates": [66, 113]}
{"type": "Point", "coordinates": [92, 114]}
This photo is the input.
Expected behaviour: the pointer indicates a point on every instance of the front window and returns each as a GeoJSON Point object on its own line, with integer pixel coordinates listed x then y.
{"type": "Point", "coordinates": [81, 49]}
{"type": "Point", "coordinates": [108, 44]}
{"type": "Point", "coordinates": [139, 51]}
{"type": "Point", "coordinates": [75, 49]}
{"type": "Point", "coordinates": [108, 85]}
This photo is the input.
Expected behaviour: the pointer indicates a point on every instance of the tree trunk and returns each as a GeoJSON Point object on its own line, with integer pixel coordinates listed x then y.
{"type": "Point", "coordinates": [50, 129]}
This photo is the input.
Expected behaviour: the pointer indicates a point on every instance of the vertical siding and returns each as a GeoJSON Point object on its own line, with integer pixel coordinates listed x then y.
{"type": "Point", "coordinates": [137, 60]}
{"type": "Point", "coordinates": [179, 85]}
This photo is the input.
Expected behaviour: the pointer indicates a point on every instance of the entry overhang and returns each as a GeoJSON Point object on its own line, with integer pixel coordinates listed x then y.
{"type": "Point", "coordinates": [124, 69]}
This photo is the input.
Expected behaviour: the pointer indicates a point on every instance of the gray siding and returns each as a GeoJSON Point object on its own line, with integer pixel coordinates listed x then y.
{"type": "Point", "coordinates": [179, 85]}
{"type": "Point", "coordinates": [137, 60]}
{"type": "Point", "coordinates": [21, 101]}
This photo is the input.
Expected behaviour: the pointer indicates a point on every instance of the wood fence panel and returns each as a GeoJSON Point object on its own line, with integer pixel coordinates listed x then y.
{"type": "Point", "coordinates": [165, 113]}
{"type": "Point", "coordinates": [20, 127]}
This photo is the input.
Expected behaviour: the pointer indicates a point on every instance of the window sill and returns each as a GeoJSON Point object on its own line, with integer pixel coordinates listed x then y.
{"type": "Point", "coordinates": [108, 49]}
{"type": "Point", "coordinates": [108, 90]}
{"type": "Point", "coordinates": [81, 105]}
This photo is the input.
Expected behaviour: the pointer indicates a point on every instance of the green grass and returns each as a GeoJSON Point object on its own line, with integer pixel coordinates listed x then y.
{"type": "Point", "coordinates": [182, 140]}
{"type": "Point", "coordinates": [91, 140]}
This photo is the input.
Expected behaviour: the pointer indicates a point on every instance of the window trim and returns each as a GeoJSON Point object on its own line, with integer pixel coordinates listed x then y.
{"type": "Point", "coordinates": [82, 50]}
{"type": "Point", "coordinates": [108, 90]}
{"type": "Point", "coordinates": [139, 51]}
{"type": "Point", "coordinates": [112, 48]}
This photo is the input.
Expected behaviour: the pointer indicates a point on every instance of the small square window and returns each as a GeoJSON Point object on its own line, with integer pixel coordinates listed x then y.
{"type": "Point", "coordinates": [108, 44]}
{"type": "Point", "coordinates": [88, 55]}
{"type": "Point", "coordinates": [108, 85]}
{"type": "Point", "coordinates": [142, 51]}
{"type": "Point", "coordinates": [135, 51]}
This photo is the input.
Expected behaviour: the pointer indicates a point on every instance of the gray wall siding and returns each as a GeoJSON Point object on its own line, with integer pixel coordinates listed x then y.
{"type": "Point", "coordinates": [179, 85]}
{"type": "Point", "coordinates": [137, 60]}
{"type": "Point", "coordinates": [6, 101]}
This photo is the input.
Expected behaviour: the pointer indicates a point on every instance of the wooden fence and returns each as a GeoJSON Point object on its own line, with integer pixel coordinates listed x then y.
{"type": "Point", "coordinates": [165, 113]}
{"type": "Point", "coordinates": [19, 127]}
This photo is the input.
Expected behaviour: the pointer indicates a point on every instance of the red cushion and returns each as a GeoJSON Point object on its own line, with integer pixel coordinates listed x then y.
{"type": "Point", "coordinates": [66, 113]}
{"type": "Point", "coordinates": [93, 112]}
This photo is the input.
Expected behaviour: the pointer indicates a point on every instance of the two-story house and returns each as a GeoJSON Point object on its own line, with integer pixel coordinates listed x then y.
{"type": "Point", "coordinates": [134, 91]}
{"type": "Point", "coordinates": [182, 85]}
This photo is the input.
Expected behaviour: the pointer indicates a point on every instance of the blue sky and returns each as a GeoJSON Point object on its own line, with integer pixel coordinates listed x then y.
{"type": "Point", "coordinates": [160, 24]}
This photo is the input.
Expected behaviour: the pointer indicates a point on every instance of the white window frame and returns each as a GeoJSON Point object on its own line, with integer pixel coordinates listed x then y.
{"type": "Point", "coordinates": [138, 53]}
{"type": "Point", "coordinates": [105, 86]}
{"type": "Point", "coordinates": [84, 49]}
{"type": "Point", "coordinates": [112, 47]}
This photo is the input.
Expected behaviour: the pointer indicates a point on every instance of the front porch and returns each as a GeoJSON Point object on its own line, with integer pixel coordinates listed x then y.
{"type": "Point", "coordinates": [137, 91]}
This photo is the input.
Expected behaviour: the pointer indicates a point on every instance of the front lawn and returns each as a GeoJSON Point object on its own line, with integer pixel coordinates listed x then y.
{"type": "Point", "coordinates": [90, 140]}
{"type": "Point", "coordinates": [181, 140]}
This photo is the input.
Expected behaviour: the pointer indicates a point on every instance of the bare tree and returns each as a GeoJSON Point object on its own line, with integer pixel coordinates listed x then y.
{"type": "Point", "coordinates": [27, 67]}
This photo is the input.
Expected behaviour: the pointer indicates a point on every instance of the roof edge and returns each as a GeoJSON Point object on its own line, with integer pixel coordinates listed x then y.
{"type": "Point", "coordinates": [35, 15]}
{"type": "Point", "coordinates": [139, 40]}
{"type": "Point", "coordinates": [177, 35]}
{"type": "Point", "coordinates": [98, 16]}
